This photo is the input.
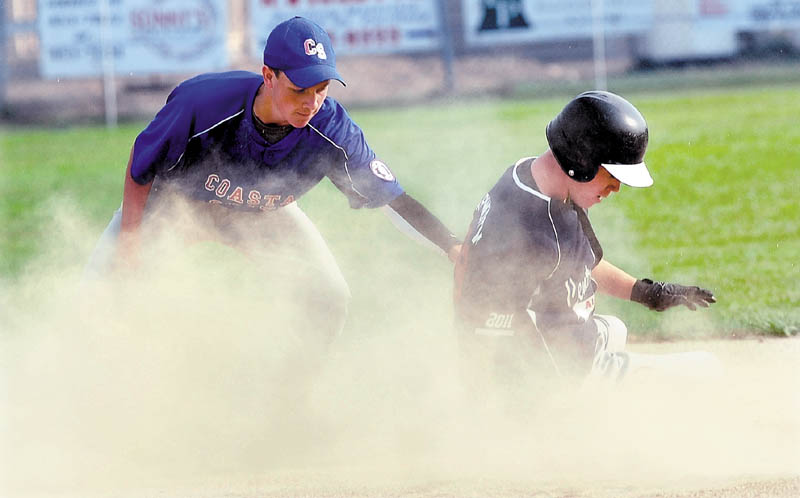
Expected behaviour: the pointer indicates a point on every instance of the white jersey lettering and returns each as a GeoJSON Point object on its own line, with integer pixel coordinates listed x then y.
{"type": "Point", "coordinates": [484, 206]}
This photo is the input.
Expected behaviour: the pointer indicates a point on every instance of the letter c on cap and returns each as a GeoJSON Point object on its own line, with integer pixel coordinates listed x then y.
{"type": "Point", "coordinates": [313, 48]}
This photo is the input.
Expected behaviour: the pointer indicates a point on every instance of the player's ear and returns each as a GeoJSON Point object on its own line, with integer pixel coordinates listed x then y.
{"type": "Point", "coordinates": [268, 74]}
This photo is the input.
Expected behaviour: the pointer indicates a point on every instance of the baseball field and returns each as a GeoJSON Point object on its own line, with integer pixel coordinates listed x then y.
{"type": "Point", "coordinates": [179, 383]}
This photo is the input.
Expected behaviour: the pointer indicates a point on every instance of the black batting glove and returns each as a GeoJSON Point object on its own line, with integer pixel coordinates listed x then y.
{"type": "Point", "coordinates": [660, 295]}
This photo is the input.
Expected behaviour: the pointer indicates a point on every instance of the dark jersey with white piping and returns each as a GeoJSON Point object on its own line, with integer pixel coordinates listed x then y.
{"type": "Point", "coordinates": [526, 260]}
{"type": "Point", "coordinates": [205, 146]}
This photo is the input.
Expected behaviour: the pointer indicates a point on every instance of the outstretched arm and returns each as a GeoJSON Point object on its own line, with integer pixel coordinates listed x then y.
{"type": "Point", "coordinates": [134, 198]}
{"type": "Point", "coordinates": [612, 280]}
{"type": "Point", "coordinates": [417, 222]}
{"type": "Point", "coordinates": [657, 296]}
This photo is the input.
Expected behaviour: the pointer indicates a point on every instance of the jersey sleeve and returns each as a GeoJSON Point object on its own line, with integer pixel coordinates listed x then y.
{"type": "Point", "coordinates": [194, 106]}
{"type": "Point", "coordinates": [161, 144]}
{"type": "Point", "coordinates": [357, 172]}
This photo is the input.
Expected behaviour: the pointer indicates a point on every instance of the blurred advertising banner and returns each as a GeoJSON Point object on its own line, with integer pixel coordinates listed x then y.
{"type": "Point", "coordinates": [138, 36]}
{"type": "Point", "coordinates": [697, 29]}
{"type": "Point", "coordinates": [355, 26]}
{"type": "Point", "coordinates": [488, 22]}
{"type": "Point", "coordinates": [759, 14]}
{"type": "Point", "coordinates": [746, 15]}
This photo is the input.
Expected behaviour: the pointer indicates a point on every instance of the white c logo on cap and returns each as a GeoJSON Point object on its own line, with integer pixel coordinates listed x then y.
{"type": "Point", "coordinates": [314, 48]}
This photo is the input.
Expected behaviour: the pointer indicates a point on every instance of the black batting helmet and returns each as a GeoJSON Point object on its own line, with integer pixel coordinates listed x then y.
{"type": "Point", "coordinates": [598, 129]}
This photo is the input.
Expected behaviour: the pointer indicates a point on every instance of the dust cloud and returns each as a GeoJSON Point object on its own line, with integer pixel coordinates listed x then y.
{"type": "Point", "coordinates": [191, 370]}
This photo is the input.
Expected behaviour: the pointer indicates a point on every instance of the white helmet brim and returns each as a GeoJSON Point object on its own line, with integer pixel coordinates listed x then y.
{"type": "Point", "coordinates": [634, 175]}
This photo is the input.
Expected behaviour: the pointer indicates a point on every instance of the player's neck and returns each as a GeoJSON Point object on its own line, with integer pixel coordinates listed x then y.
{"type": "Point", "coordinates": [262, 106]}
{"type": "Point", "coordinates": [548, 176]}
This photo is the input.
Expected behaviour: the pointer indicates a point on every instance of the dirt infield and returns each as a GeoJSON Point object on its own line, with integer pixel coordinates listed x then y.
{"type": "Point", "coordinates": [269, 486]}
{"type": "Point", "coordinates": [734, 437]}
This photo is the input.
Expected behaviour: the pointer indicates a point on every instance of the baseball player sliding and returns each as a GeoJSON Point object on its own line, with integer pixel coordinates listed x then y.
{"type": "Point", "coordinates": [530, 267]}
{"type": "Point", "coordinates": [239, 148]}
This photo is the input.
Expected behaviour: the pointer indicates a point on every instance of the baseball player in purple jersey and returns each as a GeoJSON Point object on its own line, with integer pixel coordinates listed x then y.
{"type": "Point", "coordinates": [531, 265]}
{"type": "Point", "coordinates": [239, 148]}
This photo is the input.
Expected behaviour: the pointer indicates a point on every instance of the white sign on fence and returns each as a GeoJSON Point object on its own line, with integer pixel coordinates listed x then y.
{"type": "Point", "coordinates": [488, 22]}
{"type": "Point", "coordinates": [355, 26]}
{"type": "Point", "coordinates": [756, 15]}
{"type": "Point", "coordinates": [708, 28]}
{"type": "Point", "coordinates": [144, 36]}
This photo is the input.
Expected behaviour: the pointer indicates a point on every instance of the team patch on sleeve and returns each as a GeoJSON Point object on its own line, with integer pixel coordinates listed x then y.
{"type": "Point", "coordinates": [380, 170]}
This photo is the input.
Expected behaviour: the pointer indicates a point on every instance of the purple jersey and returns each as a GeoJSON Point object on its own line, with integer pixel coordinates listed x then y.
{"type": "Point", "coordinates": [526, 259]}
{"type": "Point", "coordinates": [204, 145]}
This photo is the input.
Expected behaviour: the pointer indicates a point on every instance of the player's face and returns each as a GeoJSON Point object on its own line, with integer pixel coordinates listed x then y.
{"type": "Point", "coordinates": [590, 193]}
{"type": "Point", "coordinates": [294, 105]}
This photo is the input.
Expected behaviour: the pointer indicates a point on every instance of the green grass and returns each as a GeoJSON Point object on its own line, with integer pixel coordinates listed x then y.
{"type": "Point", "coordinates": [722, 214]}
{"type": "Point", "coordinates": [41, 169]}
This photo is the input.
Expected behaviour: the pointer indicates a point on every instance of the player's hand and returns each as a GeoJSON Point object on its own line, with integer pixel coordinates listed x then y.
{"type": "Point", "coordinates": [126, 259]}
{"type": "Point", "coordinates": [660, 295]}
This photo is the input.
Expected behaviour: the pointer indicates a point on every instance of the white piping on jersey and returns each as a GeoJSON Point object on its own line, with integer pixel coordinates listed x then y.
{"type": "Point", "coordinates": [346, 169]}
{"type": "Point", "coordinates": [594, 256]}
{"type": "Point", "coordinates": [203, 132]}
{"type": "Point", "coordinates": [525, 187]}
{"type": "Point", "coordinates": [549, 214]}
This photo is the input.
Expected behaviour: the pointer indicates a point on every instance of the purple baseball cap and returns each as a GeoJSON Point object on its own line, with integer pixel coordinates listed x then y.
{"type": "Point", "coordinates": [303, 50]}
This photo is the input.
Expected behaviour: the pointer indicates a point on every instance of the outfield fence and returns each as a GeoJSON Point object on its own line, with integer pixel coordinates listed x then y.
{"type": "Point", "coordinates": [109, 54]}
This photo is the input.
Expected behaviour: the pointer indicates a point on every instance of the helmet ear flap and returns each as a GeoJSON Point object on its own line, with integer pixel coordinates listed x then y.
{"type": "Point", "coordinates": [572, 152]}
